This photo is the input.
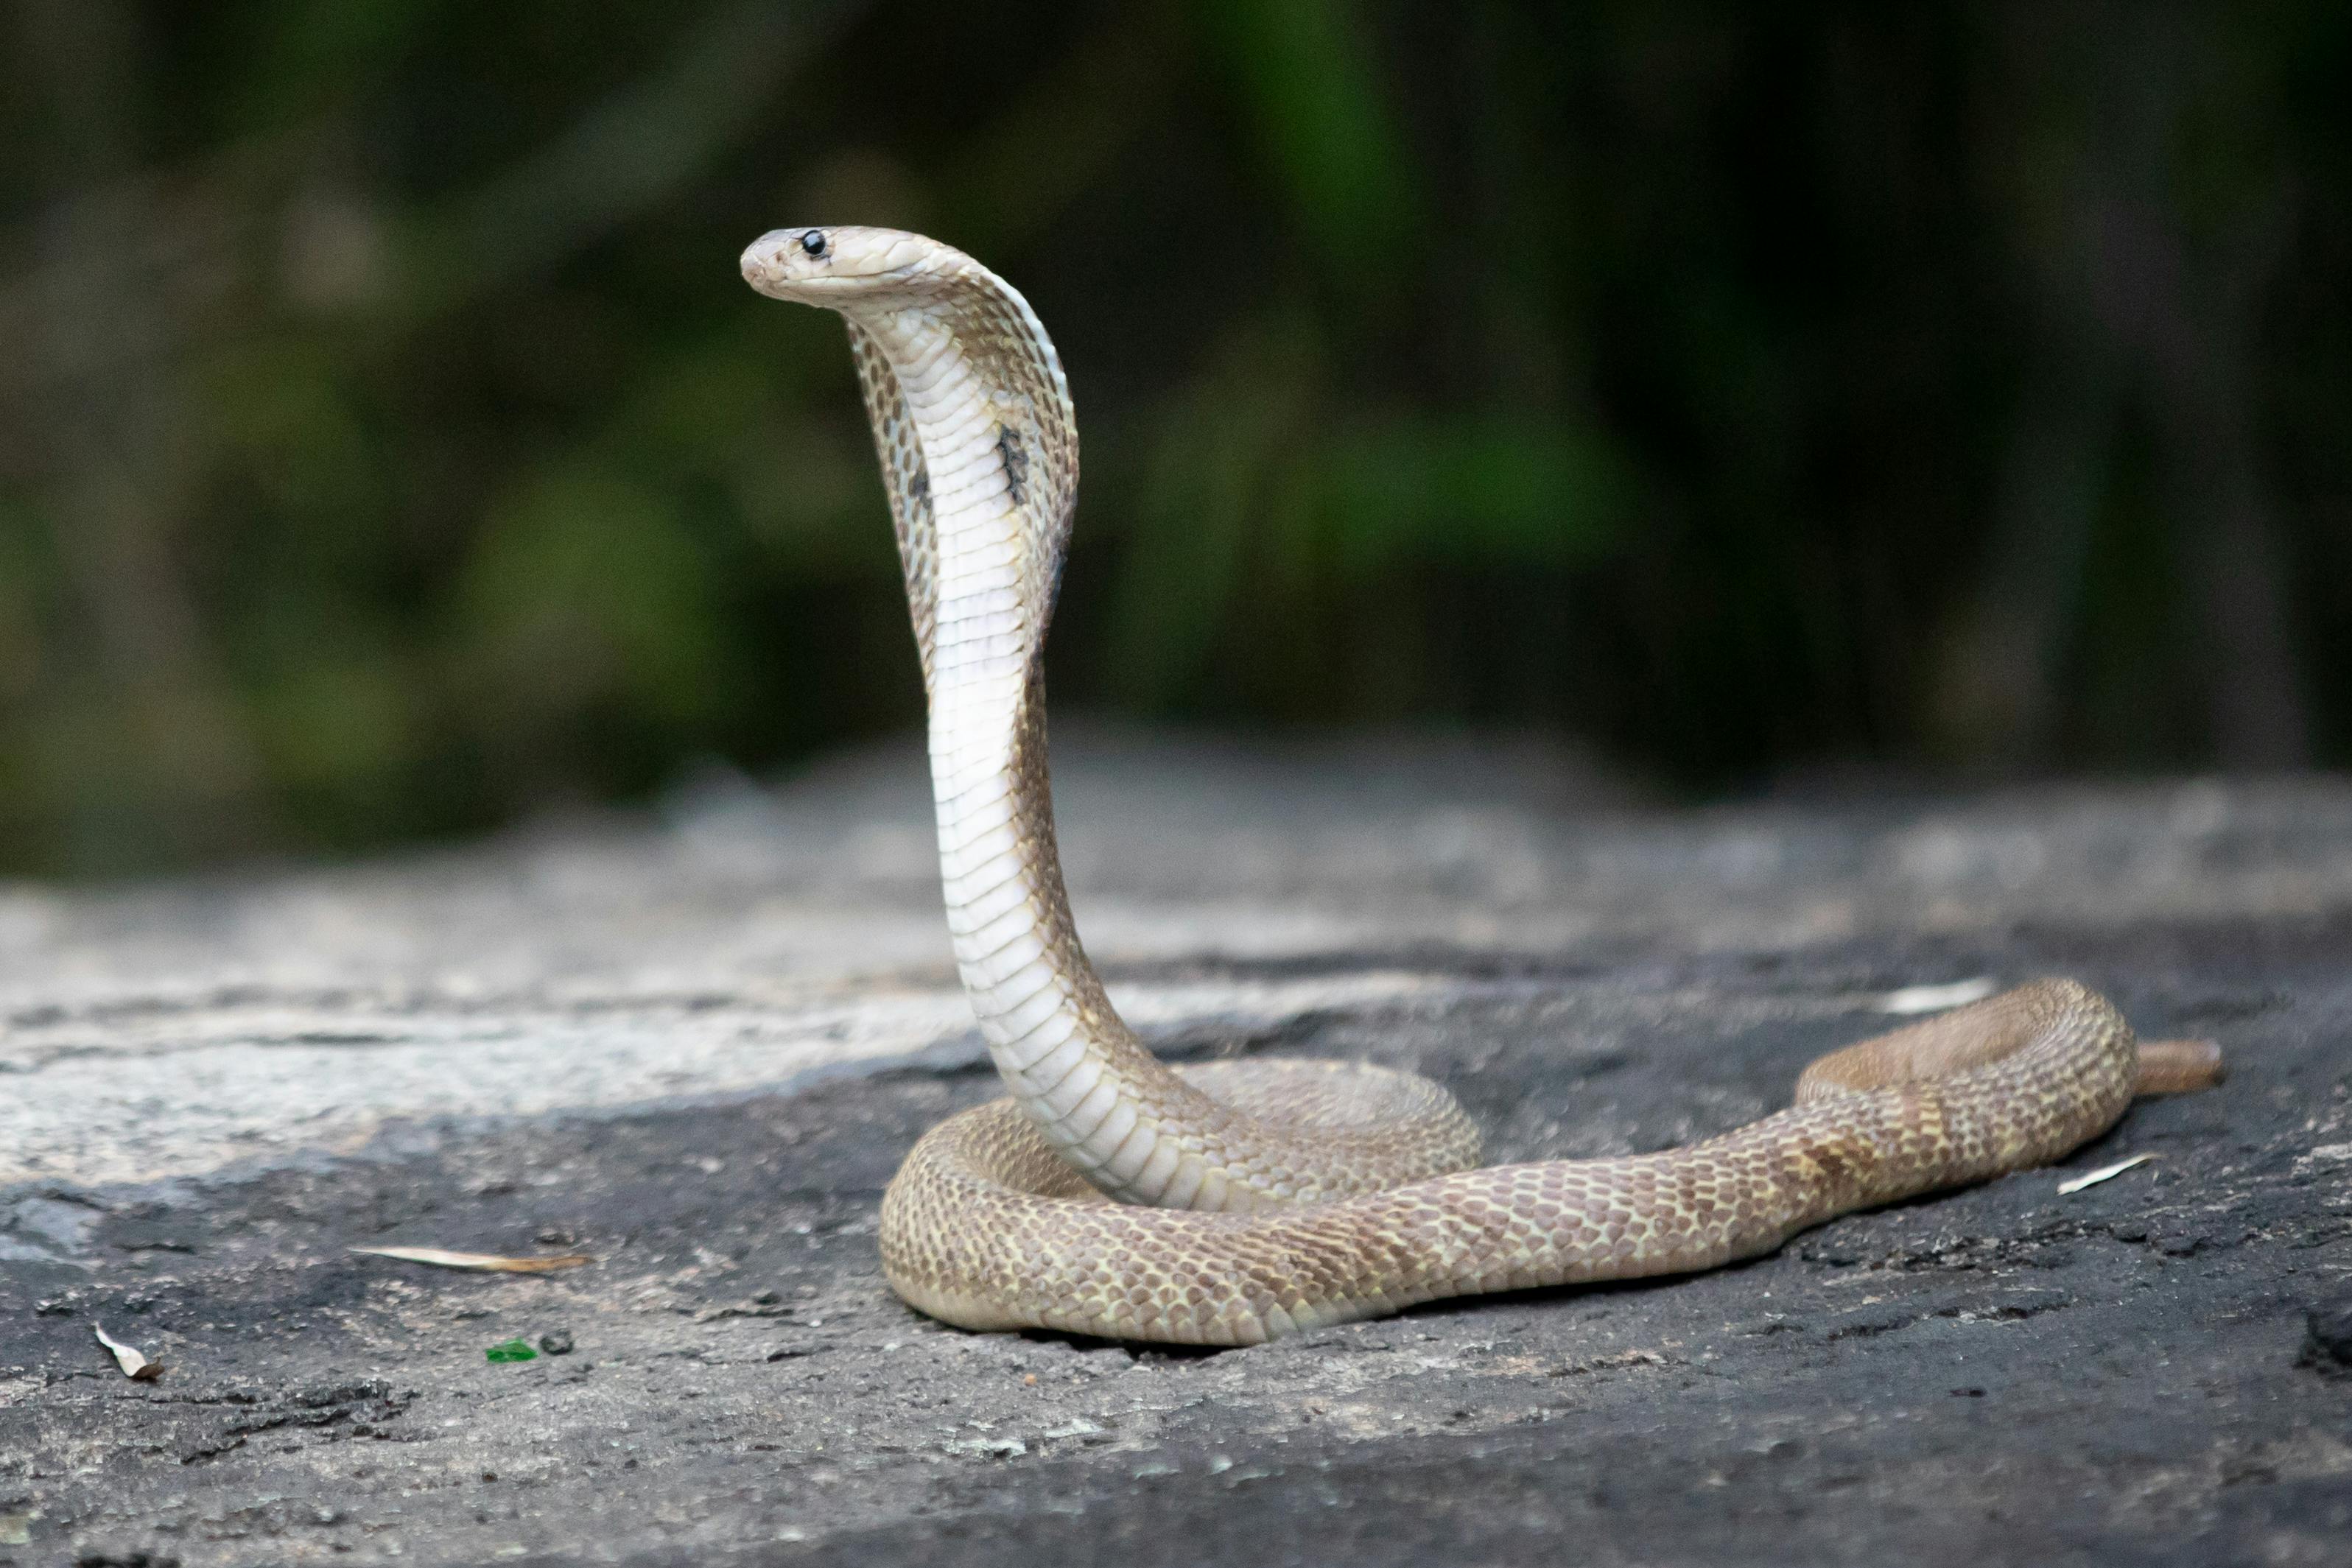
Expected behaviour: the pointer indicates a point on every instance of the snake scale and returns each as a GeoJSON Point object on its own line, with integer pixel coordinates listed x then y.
{"type": "Point", "coordinates": [1112, 1195]}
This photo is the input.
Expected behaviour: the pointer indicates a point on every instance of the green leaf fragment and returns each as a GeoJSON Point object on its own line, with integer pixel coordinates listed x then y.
{"type": "Point", "coordinates": [512, 1350]}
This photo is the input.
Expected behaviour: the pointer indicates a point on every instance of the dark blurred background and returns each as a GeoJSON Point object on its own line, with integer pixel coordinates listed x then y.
{"type": "Point", "coordinates": [389, 448]}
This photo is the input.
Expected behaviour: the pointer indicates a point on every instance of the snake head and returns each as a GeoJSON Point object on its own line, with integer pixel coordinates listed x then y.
{"type": "Point", "coordinates": [837, 267]}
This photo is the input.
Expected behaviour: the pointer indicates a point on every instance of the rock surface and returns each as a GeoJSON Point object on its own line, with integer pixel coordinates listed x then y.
{"type": "Point", "coordinates": [695, 1046]}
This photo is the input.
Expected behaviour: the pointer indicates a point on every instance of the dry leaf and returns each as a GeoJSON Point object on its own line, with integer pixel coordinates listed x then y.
{"type": "Point", "coordinates": [1935, 998]}
{"type": "Point", "coordinates": [2104, 1173]}
{"type": "Point", "coordinates": [480, 1262]}
{"type": "Point", "coordinates": [134, 1365]}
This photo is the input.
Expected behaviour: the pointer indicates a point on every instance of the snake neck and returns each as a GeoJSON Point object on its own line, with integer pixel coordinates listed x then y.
{"type": "Point", "coordinates": [973, 421]}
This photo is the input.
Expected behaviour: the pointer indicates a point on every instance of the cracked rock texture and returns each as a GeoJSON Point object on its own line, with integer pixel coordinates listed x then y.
{"type": "Point", "coordinates": [694, 1047]}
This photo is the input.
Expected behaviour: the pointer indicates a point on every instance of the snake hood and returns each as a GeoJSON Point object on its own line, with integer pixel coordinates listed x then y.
{"type": "Point", "coordinates": [971, 420]}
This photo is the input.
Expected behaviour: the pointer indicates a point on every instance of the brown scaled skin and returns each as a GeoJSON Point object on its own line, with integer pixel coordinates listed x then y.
{"type": "Point", "coordinates": [985, 1226]}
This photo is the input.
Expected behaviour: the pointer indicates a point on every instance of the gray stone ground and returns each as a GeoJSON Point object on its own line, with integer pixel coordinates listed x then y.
{"type": "Point", "coordinates": [694, 1046]}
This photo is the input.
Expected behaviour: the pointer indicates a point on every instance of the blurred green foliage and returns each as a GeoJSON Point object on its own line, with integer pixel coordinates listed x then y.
{"type": "Point", "coordinates": [387, 446]}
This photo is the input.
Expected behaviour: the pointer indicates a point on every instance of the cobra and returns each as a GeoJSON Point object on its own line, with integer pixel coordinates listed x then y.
{"type": "Point", "coordinates": [1112, 1195]}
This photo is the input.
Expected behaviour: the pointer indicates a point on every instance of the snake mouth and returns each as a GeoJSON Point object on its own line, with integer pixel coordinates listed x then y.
{"type": "Point", "coordinates": [834, 293]}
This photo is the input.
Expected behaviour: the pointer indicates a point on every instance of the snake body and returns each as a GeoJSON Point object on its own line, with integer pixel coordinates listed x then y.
{"type": "Point", "coordinates": [1112, 1195]}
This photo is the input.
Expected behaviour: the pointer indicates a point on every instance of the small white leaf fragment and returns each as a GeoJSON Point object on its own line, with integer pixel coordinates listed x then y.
{"type": "Point", "coordinates": [134, 1365]}
{"type": "Point", "coordinates": [2105, 1173]}
{"type": "Point", "coordinates": [478, 1262]}
{"type": "Point", "coordinates": [1935, 998]}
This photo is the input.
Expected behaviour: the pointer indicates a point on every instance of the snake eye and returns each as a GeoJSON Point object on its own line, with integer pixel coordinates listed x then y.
{"type": "Point", "coordinates": [813, 242]}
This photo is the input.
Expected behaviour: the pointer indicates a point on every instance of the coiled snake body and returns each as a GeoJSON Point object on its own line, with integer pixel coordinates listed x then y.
{"type": "Point", "coordinates": [1112, 1195]}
